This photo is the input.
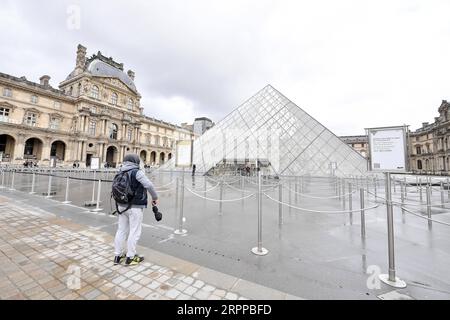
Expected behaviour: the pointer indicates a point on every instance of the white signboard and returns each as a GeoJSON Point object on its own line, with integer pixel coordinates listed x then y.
{"type": "Point", "coordinates": [95, 163]}
{"type": "Point", "coordinates": [387, 147]}
{"type": "Point", "coordinates": [184, 153]}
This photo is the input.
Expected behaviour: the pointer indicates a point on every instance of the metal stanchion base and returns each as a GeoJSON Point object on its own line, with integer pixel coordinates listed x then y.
{"type": "Point", "coordinates": [263, 251]}
{"type": "Point", "coordinates": [12, 189]}
{"type": "Point", "coordinates": [32, 192]}
{"type": "Point", "coordinates": [396, 284]}
{"type": "Point", "coordinates": [67, 202]}
{"type": "Point", "coordinates": [96, 210]}
{"type": "Point", "coordinates": [182, 231]}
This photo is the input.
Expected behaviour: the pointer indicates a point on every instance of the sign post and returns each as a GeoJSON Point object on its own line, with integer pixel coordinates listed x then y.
{"type": "Point", "coordinates": [388, 154]}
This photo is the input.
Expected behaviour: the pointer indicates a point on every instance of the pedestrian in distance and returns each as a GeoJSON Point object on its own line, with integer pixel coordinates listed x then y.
{"type": "Point", "coordinates": [129, 190]}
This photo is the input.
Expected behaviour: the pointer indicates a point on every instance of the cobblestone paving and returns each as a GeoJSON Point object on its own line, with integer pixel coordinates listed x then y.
{"type": "Point", "coordinates": [45, 257]}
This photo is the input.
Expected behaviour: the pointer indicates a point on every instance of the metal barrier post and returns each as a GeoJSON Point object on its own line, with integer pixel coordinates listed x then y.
{"type": "Point", "coordinates": [66, 198]}
{"type": "Point", "coordinates": [375, 184]}
{"type": "Point", "coordinates": [176, 194]}
{"type": "Point", "coordinates": [33, 181]}
{"type": "Point", "coordinates": [428, 191]}
{"type": "Point", "coordinates": [3, 179]}
{"type": "Point", "coordinates": [442, 194]}
{"type": "Point", "coordinates": [402, 197]}
{"type": "Point", "coordinates": [343, 195]}
{"type": "Point", "coordinates": [290, 196]}
{"type": "Point", "coordinates": [390, 278]}
{"type": "Point", "coordinates": [448, 189]}
{"type": "Point", "coordinates": [363, 217]}
{"type": "Point", "coordinates": [405, 187]}
{"type": "Point", "coordinates": [296, 189]}
{"type": "Point", "coordinates": [97, 206]}
{"type": "Point", "coordinates": [259, 250]}
{"type": "Point", "coordinates": [180, 229]}
{"type": "Point", "coordinates": [420, 190]}
{"type": "Point", "coordinates": [12, 181]}
{"type": "Point", "coordinates": [280, 205]}
{"type": "Point", "coordinates": [350, 202]}
{"type": "Point", "coordinates": [220, 197]}
{"type": "Point", "coordinates": [49, 187]}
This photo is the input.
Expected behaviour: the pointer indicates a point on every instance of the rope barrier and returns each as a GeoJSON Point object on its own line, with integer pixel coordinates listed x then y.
{"type": "Point", "coordinates": [426, 218]}
{"type": "Point", "coordinates": [320, 211]}
{"type": "Point", "coordinates": [217, 200]}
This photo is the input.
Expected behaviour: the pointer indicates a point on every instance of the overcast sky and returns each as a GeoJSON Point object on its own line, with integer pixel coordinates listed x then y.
{"type": "Point", "coordinates": [349, 64]}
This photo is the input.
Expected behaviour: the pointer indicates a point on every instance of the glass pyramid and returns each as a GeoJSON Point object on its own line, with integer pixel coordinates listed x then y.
{"type": "Point", "coordinates": [270, 128]}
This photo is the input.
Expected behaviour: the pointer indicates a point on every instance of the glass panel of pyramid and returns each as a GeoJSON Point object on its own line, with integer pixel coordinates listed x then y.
{"type": "Point", "coordinates": [270, 128]}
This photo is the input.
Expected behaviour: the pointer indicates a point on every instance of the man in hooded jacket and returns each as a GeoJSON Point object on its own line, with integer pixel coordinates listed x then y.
{"type": "Point", "coordinates": [130, 221]}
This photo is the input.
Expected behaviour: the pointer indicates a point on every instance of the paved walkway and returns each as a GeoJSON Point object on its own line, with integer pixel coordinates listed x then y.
{"type": "Point", "coordinates": [46, 257]}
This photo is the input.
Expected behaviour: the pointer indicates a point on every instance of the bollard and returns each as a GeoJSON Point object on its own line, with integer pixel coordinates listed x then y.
{"type": "Point", "coordinates": [280, 205]}
{"type": "Point", "coordinates": [428, 192]}
{"type": "Point", "coordinates": [390, 278]}
{"type": "Point", "coordinates": [180, 229]}
{"type": "Point", "coordinates": [49, 187]}
{"type": "Point", "coordinates": [442, 194]}
{"type": "Point", "coordinates": [220, 198]}
{"type": "Point", "coordinates": [33, 181]}
{"type": "Point", "coordinates": [204, 187]}
{"type": "Point", "coordinates": [66, 198]}
{"type": "Point", "coordinates": [363, 218]}
{"type": "Point", "coordinates": [350, 202]}
{"type": "Point", "coordinates": [259, 250]}
{"type": "Point", "coordinates": [339, 189]}
{"type": "Point", "coordinates": [12, 181]}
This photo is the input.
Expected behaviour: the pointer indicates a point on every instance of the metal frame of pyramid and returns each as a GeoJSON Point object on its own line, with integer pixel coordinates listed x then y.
{"type": "Point", "coordinates": [269, 127]}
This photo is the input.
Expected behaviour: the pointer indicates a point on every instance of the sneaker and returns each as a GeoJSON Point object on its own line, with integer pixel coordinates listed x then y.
{"type": "Point", "coordinates": [119, 259]}
{"type": "Point", "coordinates": [134, 261]}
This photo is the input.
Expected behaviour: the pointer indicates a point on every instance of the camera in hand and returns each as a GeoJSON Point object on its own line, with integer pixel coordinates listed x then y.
{"type": "Point", "coordinates": [158, 215]}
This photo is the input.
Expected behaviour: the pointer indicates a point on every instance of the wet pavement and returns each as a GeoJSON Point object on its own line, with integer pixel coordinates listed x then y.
{"type": "Point", "coordinates": [312, 255]}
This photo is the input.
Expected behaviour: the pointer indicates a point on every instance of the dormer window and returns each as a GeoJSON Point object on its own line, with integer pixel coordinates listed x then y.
{"type": "Point", "coordinates": [34, 98]}
{"type": "Point", "coordinates": [114, 98]}
{"type": "Point", "coordinates": [130, 104]}
{"type": "Point", "coordinates": [7, 92]}
{"type": "Point", "coordinates": [95, 92]}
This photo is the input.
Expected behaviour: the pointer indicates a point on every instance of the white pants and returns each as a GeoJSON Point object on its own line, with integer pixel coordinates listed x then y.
{"type": "Point", "coordinates": [130, 224]}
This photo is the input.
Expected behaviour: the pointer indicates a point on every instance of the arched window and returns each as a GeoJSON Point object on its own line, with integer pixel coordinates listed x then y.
{"type": "Point", "coordinates": [130, 104]}
{"type": "Point", "coordinates": [419, 164]}
{"type": "Point", "coordinates": [114, 98]}
{"type": "Point", "coordinates": [113, 131]}
{"type": "Point", "coordinates": [95, 92]}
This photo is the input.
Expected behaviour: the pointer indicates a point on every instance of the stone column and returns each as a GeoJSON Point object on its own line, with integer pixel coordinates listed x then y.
{"type": "Point", "coordinates": [83, 151]}
{"type": "Point", "coordinates": [19, 147]}
{"type": "Point", "coordinates": [45, 154]}
{"type": "Point", "coordinates": [104, 152]}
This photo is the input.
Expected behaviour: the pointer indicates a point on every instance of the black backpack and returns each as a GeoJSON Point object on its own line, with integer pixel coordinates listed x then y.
{"type": "Point", "coordinates": [122, 191]}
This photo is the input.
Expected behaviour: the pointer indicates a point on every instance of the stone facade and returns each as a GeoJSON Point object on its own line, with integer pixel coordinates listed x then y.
{"type": "Point", "coordinates": [358, 143]}
{"type": "Point", "coordinates": [430, 144]}
{"type": "Point", "coordinates": [96, 112]}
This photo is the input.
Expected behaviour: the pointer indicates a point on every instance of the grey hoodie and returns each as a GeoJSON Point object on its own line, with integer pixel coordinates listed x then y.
{"type": "Point", "coordinates": [142, 178]}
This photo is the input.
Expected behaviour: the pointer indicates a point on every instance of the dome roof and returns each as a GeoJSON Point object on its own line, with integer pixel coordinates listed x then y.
{"type": "Point", "coordinates": [100, 68]}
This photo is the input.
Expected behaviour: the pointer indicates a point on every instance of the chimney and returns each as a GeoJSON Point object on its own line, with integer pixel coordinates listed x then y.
{"type": "Point", "coordinates": [81, 59]}
{"type": "Point", "coordinates": [131, 74]}
{"type": "Point", "coordinates": [45, 81]}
